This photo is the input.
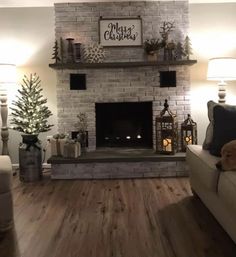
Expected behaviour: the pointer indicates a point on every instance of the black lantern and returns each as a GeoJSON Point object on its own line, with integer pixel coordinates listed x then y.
{"type": "Point", "coordinates": [188, 133]}
{"type": "Point", "coordinates": [166, 131]}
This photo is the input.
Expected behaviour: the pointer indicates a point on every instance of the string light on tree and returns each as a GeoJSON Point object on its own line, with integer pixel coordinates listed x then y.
{"type": "Point", "coordinates": [30, 115]}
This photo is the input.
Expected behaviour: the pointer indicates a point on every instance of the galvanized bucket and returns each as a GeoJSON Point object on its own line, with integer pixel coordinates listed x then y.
{"type": "Point", "coordinates": [30, 159]}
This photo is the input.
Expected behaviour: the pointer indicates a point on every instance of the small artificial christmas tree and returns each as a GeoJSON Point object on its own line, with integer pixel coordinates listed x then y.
{"type": "Point", "coordinates": [55, 54]}
{"type": "Point", "coordinates": [187, 47]}
{"type": "Point", "coordinates": [30, 113]}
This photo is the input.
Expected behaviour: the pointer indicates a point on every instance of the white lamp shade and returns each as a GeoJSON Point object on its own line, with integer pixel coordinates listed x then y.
{"type": "Point", "coordinates": [222, 69]}
{"type": "Point", "coordinates": [7, 73]}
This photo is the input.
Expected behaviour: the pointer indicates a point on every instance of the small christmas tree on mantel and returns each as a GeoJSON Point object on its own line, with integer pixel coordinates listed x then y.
{"type": "Point", "coordinates": [30, 115]}
{"type": "Point", "coordinates": [187, 47]}
{"type": "Point", "coordinates": [55, 54]}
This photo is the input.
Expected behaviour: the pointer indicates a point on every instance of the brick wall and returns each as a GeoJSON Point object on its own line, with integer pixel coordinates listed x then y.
{"type": "Point", "coordinates": [80, 21]}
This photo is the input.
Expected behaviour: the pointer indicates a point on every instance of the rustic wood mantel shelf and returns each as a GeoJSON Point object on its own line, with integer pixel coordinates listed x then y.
{"type": "Point", "coordinates": [76, 66]}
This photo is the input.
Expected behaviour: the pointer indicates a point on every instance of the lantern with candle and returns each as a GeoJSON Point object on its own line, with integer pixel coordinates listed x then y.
{"type": "Point", "coordinates": [188, 133]}
{"type": "Point", "coordinates": [166, 131]}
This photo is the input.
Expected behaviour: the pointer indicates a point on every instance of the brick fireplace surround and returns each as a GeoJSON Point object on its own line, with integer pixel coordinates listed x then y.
{"type": "Point", "coordinates": [123, 84]}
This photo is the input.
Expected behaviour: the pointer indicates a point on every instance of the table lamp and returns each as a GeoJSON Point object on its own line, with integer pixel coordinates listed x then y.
{"type": "Point", "coordinates": [222, 69]}
{"type": "Point", "coordinates": [7, 77]}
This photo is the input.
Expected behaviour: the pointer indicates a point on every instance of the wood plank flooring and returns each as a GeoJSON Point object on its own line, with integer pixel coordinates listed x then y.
{"type": "Point", "coordinates": [112, 218]}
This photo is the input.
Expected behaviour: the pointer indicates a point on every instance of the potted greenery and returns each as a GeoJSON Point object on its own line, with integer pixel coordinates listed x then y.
{"type": "Point", "coordinates": [151, 47]}
{"type": "Point", "coordinates": [30, 117]}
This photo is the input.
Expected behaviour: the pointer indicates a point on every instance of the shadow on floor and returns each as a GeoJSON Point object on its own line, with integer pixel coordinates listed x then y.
{"type": "Point", "coordinates": [8, 244]}
{"type": "Point", "coordinates": [191, 230]}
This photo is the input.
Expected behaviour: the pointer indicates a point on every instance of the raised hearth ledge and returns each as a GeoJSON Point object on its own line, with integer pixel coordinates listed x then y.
{"type": "Point", "coordinates": [119, 155]}
{"type": "Point", "coordinates": [103, 164]}
{"type": "Point", "coordinates": [131, 64]}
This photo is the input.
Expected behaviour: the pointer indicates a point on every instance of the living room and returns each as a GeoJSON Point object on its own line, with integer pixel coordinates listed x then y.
{"type": "Point", "coordinates": [28, 33]}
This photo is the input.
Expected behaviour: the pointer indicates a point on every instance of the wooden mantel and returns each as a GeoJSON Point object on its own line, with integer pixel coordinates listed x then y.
{"type": "Point", "coordinates": [76, 66]}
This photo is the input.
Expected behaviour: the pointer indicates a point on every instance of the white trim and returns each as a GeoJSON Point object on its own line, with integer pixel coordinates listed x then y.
{"type": "Point", "coordinates": [50, 3]}
{"type": "Point", "coordinates": [45, 165]}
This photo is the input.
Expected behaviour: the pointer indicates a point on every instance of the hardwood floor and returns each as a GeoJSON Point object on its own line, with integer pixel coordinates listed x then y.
{"type": "Point", "coordinates": [112, 218]}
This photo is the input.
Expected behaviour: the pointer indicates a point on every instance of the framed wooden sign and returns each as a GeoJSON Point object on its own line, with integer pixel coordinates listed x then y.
{"type": "Point", "coordinates": [120, 31]}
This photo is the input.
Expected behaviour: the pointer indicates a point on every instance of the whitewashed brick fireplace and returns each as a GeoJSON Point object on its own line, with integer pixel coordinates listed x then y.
{"type": "Point", "coordinates": [123, 84]}
{"type": "Point", "coordinates": [120, 83]}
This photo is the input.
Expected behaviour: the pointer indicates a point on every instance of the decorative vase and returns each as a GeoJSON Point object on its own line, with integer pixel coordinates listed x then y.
{"type": "Point", "coordinates": [77, 52]}
{"type": "Point", "coordinates": [30, 158]}
{"type": "Point", "coordinates": [70, 50]}
{"type": "Point", "coordinates": [152, 56]}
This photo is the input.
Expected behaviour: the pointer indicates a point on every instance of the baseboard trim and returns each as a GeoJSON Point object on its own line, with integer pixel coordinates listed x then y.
{"type": "Point", "coordinates": [45, 165]}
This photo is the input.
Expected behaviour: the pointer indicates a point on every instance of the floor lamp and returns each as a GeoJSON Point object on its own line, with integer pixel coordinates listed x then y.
{"type": "Point", "coordinates": [7, 77]}
{"type": "Point", "coordinates": [222, 69]}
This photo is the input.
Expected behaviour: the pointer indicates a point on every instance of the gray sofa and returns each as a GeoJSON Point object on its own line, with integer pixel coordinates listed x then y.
{"type": "Point", "coordinates": [6, 203]}
{"type": "Point", "coordinates": [217, 190]}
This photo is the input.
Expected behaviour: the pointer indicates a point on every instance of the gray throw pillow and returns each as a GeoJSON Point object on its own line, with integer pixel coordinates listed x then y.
{"type": "Point", "coordinates": [224, 130]}
{"type": "Point", "coordinates": [209, 131]}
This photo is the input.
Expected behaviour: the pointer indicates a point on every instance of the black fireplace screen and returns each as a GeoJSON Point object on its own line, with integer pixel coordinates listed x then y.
{"type": "Point", "coordinates": [124, 124]}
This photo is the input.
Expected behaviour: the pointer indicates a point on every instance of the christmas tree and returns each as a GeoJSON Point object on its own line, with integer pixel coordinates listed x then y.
{"type": "Point", "coordinates": [30, 113]}
{"type": "Point", "coordinates": [55, 54]}
{"type": "Point", "coordinates": [187, 47]}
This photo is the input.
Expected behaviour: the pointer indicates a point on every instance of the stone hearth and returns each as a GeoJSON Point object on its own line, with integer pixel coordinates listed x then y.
{"type": "Point", "coordinates": [119, 163]}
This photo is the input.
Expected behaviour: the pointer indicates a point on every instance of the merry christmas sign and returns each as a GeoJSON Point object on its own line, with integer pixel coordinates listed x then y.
{"type": "Point", "coordinates": [120, 32]}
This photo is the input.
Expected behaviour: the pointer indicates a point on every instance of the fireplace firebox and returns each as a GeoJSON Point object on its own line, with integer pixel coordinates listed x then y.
{"type": "Point", "coordinates": [126, 124]}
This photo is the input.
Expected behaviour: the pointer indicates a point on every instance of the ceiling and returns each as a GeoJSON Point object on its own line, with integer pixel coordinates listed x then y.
{"type": "Point", "coordinates": [44, 3]}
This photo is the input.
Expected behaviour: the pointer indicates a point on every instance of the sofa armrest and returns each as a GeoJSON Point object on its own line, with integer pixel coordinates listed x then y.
{"type": "Point", "coordinates": [6, 202]}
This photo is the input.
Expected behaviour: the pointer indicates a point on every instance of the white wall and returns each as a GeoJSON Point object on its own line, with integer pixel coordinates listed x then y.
{"type": "Point", "coordinates": [213, 34]}
{"type": "Point", "coordinates": [27, 38]}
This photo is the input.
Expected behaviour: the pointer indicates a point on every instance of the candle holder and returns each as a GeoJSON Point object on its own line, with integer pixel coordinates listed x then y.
{"type": "Point", "coordinates": [77, 52]}
{"type": "Point", "coordinates": [188, 133]}
{"type": "Point", "coordinates": [166, 131]}
{"type": "Point", "coordinates": [70, 50]}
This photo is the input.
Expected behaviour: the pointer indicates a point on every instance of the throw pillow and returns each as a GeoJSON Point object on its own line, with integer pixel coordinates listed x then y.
{"type": "Point", "coordinates": [209, 132]}
{"type": "Point", "coordinates": [224, 127]}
